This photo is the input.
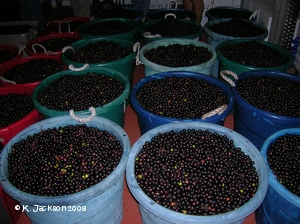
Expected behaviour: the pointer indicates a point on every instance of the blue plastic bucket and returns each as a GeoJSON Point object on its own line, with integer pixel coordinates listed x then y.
{"type": "Point", "coordinates": [101, 203]}
{"type": "Point", "coordinates": [154, 213]}
{"type": "Point", "coordinates": [151, 68]}
{"type": "Point", "coordinates": [280, 205]}
{"type": "Point", "coordinates": [148, 120]}
{"type": "Point", "coordinates": [256, 124]}
{"type": "Point", "coordinates": [214, 39]}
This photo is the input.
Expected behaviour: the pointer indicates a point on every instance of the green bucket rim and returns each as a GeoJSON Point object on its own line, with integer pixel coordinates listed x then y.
{"type": "Point", "coordinates": [123, 20]}
{"type": "Point", "coordinates": [226, 37]}
{"type": "Point", "coordinates": [166, 42]}
{"type": "Point", "coordinates": [81, 43]}
{"type": "Point", "coordinates": [103, 109]}
{"type": "Point", "coordinates": [283, 51]}
{"type": "Point", "coordinates": [151, 22]}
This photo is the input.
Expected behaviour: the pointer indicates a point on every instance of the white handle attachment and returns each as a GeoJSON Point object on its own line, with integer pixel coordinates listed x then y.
{"type": "Point", "coordinates": [172, 1]}
{"type": "Point", "coordinates": [254, 15]}
{"type": "Point", "coordinates": [219, 110]}
{"type": "Point", "coordinates": [149, 35]}
{"type": "Point", "coordinates": [136, 47]}
{"type": "Point", "coordinates": [67, 48]}
{"type": "Point", "coordinates": [170, 14]}
{"type": "Point", "coordinates": [72, 68]}
{"type": "Point", "coordinates": [234, 75]}
{"type": "Point", "coordinates": [6, 80]}
{"type": "Point", "coordinates": [87, 119]}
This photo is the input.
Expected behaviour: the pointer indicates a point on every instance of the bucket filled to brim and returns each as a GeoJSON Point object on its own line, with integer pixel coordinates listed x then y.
{"type": "Point", "coordinates": [114, 53]}
{"type": "Point", "coordinates": [265, 102]}
{"type": "Point", "coordinates": [120, 12]}
{"type": "Point", "coordinates": [282, 202]}
{"type": "Point", "coordinates": [220, 30]}
{"type": "Point", "coordinates": [89, 161]}
{"type": "Point", "coordinates": [29, 71]}
{"type": "Point", "coordinates": [51, 44]}
{"type": "Point", "coordinates": [177, 55]}
{"type": "Point", "coordinates": [229, 12]}
{"type": "Point", "coordinates": [171, 97]}
{"type": "Point", "coordinates": [67, 25]}
{"type": "Point", "coordinates": [126, 29]}
{"type": "Point", "coordinates": [9, 53]}
{"type": "Point", "coordinates": [183, 161]}
{"type": "Point", "coordinates": [242, 55]}
{"type": "Point", "coordinates": [17, 112]}
{"type": "Point", "coordinates": [167, 28]}
{"type": "Point", "coordinates": [90, 92]}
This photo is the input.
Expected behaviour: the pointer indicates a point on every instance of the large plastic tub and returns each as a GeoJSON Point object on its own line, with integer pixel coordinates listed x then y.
{"type": "Point", "coordinates": [103, 201]}
{"type": "Point", "coordinates": [280, 205]}
{"type": "Point", "coordinates": [148, 120]}
{"type": "Point", "coordinates": [256, 124]}
{"type": "Point", "coordinates": [150, 38]}
{"type": "Point", "coordinates": [228, 12]}
{"type": "Point", "coordinates": [154, 213]}
{"type": "Point", "coordinates": [124, 65]}
{"type": "Point", "coordinates": [30, 85]}
{"type": "Point", "coordinates": [13, 49]}
{"type": "Point", "coordinates": [214, 39]}
{"type": "Point", "coordinates": [120, 12]}
{"type": "Point", "coordinates": [129, 36]}
{"type": "Point", "coordinates": [67, 25]}
{"type": "Point", "coordinates": [7, 133]}
{"type": "Point", "coordinates": [226, 64]}
{"type": "Point", "coordinates": [32, 45]}
{"type": "Point", "coordinates": [113, 110]}
{"type": "Point", "coordinates": [151, 68]}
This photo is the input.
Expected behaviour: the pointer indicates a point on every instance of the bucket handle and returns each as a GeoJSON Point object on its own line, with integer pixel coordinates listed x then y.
{"type": "Point", "coordinates": [45, 51]}
{"type": "Point", "coordinates": [137, 47]}
{"type": "Point", "coordinates": [87, 119]}
{"type": "Point", "coordinates": [254, 15]}
{"type": "Point", "coordinates": [6, 80]}
{"type": "Point", "coordinates": [233, 74]}
{"type": "Point", "coordinates": [169, 4]}
{"type": "Point", "coordinates": [170, 14]}
{"type": "Point", "coordinates": [67, 48]}
{"type": "Point", "coordinates": [22, 46]}
{"type": "Point", "coordinates": [61, 22]}
{"type": "Point", "coordinates": [149, 35]}
{"type": "Point", "coordinates": [72, 68]}
{"type": "Point", "coordinates": [219, 110]}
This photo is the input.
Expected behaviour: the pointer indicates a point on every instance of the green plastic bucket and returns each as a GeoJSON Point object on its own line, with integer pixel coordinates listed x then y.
{"type": "Point", "coordinates": [101, 203]}
{"type": "Point", "coordinates": [152, 212]}
{"type": "Point", "coordinates": [130, 35]}
{"type": "Point", "coordinates": [214, 39]}
{"type": "Point", "coordinates": [151, 68]}
{"type": "Point", "coordinates": [280, 205]}
{"type": "Point", "coordinates": [124, 65]}
{"type": "Point", "coordinates": [113, 110]}
{"type": "Point", "coordinates": [148, 38]}
{"type": "Point", "coordinates": [226, 64]}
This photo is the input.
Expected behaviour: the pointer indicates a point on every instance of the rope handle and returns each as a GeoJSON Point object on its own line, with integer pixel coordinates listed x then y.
{"type": "Point", "coordinates": [254, 14]}
{"type": "Point", "coordinates": [234, 75]}
{"type": "Point", "coordinates": [87, 119]}
{"type": "Point", "coordinates": [169, 4]}
{"type": "Point", "coordinates": [219, 110]}
{"type": "Point", "coordinates": [61, 22]}
{"type": "Point", "coordinates": [72, 68]}
{"type": "Point", "coordinates": [149, 35]}
{"type": "Point", "coordinates": [170, 14]}
{"type": "Point", "coordinates": [67, 48]}
{"type": "Point", "coordinates": [6, 80]}
{"type": "Point", "coordinates": [33, 47]}
{"type": "Point", "coordinates": [137, 47]}
{"type": "Point", "coordinates": [22, 46]}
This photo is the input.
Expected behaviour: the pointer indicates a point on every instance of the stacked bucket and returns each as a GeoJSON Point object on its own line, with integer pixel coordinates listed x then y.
{"type": "Point", "coordinates": [104, 200]}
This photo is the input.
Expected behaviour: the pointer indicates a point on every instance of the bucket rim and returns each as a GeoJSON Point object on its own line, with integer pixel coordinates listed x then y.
{"type": "Point", "coordinates": [103, 109]}
{"type": "Point", "coordinates": [283, 51]}
{"type": "Point", "coordinates": [126, 8]}
{"type": "Point", "coordinates": [155, 117]}
{"type": "Point", "coordinates": [160, 211]}
{"type": "Point", "coordinates": [215, 35]}
{"type": "Point", "coordinates": [260, 112]}
{"type": "Point", "coordinates": [94, 40]}
{"type": "Point", "coordinates": [273, 181]}
{"type": "Point", "coordinates": [167, 42]}
{"type": "Point", "coordinates": [74, 198]}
